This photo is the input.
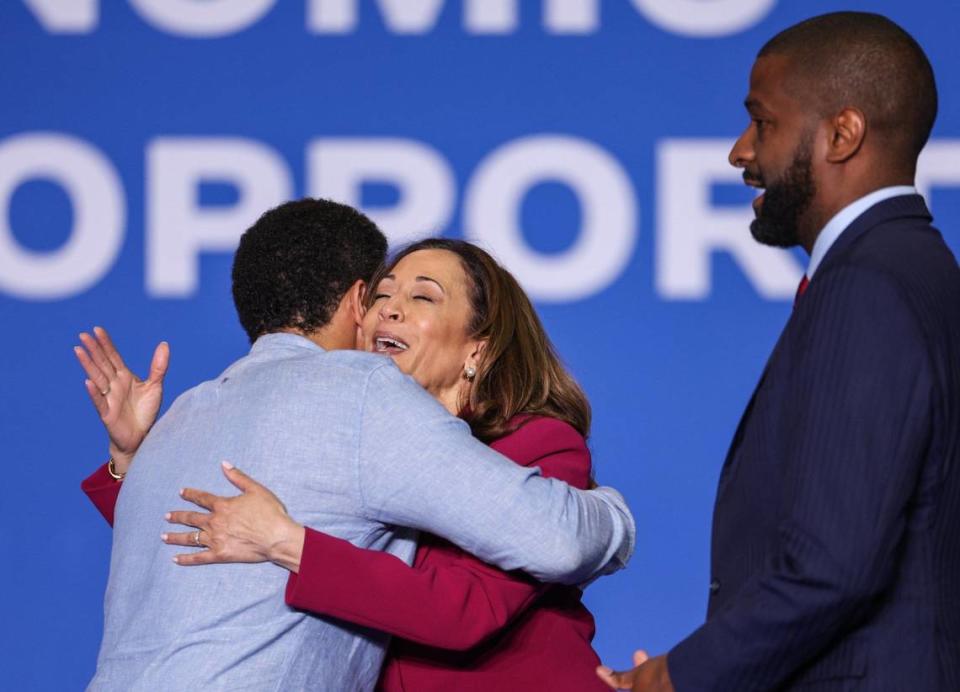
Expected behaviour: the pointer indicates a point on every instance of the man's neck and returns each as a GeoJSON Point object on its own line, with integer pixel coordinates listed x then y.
{"type": "Point", "coordinates": [836, 225]}
{"type": "Point", "coordinates": [325, 338]}
{"type": "Point", "coordinates": [846, 195]}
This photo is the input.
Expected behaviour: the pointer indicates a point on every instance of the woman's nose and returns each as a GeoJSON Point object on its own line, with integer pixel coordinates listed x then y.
{"type": "Point", "coordinates": [390, 310]}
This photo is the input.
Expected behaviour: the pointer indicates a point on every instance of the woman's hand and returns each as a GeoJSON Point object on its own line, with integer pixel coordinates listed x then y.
{"type": "Point", "coordinates": [251, 527]}
{"type": "Point", "coordinates": [127, 405]}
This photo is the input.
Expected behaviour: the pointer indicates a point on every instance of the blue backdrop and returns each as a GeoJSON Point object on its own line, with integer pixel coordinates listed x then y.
{"type": "Point", "coordinates": [583, 141]}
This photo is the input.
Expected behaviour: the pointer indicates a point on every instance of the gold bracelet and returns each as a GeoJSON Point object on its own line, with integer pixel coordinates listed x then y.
{"type": "Point", "coordinates": [112, 470]}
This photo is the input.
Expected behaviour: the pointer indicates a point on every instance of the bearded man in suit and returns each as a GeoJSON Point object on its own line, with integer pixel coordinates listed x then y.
{"type": "Point", "coordinates": [835, 548]}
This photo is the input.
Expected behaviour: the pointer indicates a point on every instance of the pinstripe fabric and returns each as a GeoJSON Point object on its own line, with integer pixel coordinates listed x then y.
{"type": "Point", "coordinates": [836, 533]}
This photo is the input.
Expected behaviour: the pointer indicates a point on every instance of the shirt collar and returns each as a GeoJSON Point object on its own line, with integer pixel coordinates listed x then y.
{"type": "Point", "coordinates": [846, 216]}
{"type": "Point", "coordinates": [276, 340]}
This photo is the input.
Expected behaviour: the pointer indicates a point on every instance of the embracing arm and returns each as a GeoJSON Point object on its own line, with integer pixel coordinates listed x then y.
{"type": "Point", "coordinates": [453, 606]}
{"type": "Point", "coordinates": [102, 490]}
{"type": "Point", "coordinates": [854, 459]}
{"type": "Point", "coordinates": [420, 467]}
{"type": "Point", "coordinates": [446, 605]}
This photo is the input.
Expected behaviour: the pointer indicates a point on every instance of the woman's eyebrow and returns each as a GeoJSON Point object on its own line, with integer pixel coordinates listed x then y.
{"type": "Point", "coordinates": [427, 278]}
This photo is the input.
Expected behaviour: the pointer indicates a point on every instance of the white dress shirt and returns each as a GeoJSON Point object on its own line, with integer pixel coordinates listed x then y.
{"type": "Point", "coordinates": [846, 216]}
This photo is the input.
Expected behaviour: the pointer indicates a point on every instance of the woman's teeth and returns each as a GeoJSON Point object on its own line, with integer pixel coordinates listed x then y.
{"type": "Point", "coordinates": [383, 343]}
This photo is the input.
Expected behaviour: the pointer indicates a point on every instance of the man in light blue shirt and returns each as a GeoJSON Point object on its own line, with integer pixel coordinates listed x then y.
{"type": "Point", "coordinates": [354, 447]}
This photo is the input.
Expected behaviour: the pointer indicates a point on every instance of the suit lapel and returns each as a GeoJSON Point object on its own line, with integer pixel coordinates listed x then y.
{"type": "Point", "coordinates": [741, 426]}
{"type": "Point", "coordinates": [903, 206]}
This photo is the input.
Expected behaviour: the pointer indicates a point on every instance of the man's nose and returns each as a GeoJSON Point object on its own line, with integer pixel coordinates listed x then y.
{"type": "Point", "coordinates": [742, 153]}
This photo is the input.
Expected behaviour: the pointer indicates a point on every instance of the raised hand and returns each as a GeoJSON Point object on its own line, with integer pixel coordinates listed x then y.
{"type": "Point", "coordinates": [251, 527]}
{"type": "Point", "coordinates": [127, 405]}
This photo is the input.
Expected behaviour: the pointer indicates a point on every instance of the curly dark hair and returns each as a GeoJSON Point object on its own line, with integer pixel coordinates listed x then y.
{"type": "Point", "coordinates": [297, 261]}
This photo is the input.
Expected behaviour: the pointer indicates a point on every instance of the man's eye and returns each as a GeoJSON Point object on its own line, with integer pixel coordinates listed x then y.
{"type": "Point", "coordinates": [380, 296]}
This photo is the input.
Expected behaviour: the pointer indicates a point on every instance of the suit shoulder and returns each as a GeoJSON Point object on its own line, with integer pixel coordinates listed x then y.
{"type": "Point", "coordinates": [552, 428]}
{"type": "Point", "coordinates": [906, 251]}
{"type": "Point", "coordinates": [905, 258]}
{"type": "Point", "coordinates": [538, 436]}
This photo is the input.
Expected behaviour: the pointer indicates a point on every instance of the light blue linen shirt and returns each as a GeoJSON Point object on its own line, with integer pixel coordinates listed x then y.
{"type": "Point", "coordinates": [354, 448]}
{"type": "Point", "coordinates": [846, 216]}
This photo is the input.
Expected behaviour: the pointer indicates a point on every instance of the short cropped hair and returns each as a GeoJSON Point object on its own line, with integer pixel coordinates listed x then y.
{"type": "Point", "coordinates": [863, 60]}
{"type": "Point", "coordinates": [294, 265]}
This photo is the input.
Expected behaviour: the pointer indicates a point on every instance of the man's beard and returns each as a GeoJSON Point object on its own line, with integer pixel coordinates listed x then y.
{"type": "Point", "coordinates": [786, 201]}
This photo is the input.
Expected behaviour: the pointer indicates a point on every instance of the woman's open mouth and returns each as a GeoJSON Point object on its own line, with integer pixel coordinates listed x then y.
{"type": "Point", "coordinates": [388, 344]}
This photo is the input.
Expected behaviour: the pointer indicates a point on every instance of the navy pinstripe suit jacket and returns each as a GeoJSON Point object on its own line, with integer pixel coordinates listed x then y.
{"type": "Point", "coordinates": [836, 532]}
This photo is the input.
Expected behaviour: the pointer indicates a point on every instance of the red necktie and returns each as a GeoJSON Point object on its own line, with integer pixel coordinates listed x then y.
{"type": "Point", "coordinates": [804, 282]}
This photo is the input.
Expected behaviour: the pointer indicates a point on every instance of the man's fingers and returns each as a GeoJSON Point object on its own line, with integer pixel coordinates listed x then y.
{"type": "Point", "coordinates": [640, 657]}
{"type": "Point", "coordinates": [99, 401]}
{"type": "Point", "coordinates": [615, 680]}
{"type": "Point", "coordinates": [109, 350]}
{"type": "Point", "coordinates": [96, 353]}
{"type": "Point", "coordinates": [199, 497]}
{"type": "Point", "coordinates": [195, 519]}
{"type": "Point", "coordinates": [238, 477]}
{"type": "Point", "coordinates": [161, 359]}
{"type": "Point", "coordinates": [606, 675]}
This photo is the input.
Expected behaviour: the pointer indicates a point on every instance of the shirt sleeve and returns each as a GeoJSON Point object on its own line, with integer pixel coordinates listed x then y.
{"type": "Point", "coordinates": [853, 458]}
{"type": "Point", "coordinates": [102, 490]}
{"type": "Point", "coordinates": [418, 466]}
{"type": "Point", "coordinates": [454, 605]}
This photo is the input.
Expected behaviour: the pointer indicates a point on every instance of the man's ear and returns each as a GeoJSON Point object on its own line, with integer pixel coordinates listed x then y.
{"type": "Point", "coordinates": [355, 296]}
{"type": "Point", "coordinates": [848, 128]}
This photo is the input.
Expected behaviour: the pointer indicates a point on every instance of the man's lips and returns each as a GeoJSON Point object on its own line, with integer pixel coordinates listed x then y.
{"type": "Point", "coordinates": [756, 183]}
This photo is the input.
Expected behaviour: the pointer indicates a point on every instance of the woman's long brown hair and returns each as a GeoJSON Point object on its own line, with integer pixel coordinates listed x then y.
{"type": "Point", "coordinates": [519, 371]}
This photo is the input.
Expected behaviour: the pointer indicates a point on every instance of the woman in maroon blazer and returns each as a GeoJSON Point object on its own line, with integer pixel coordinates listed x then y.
{"type": "Point", "coordinates": [456, 321]}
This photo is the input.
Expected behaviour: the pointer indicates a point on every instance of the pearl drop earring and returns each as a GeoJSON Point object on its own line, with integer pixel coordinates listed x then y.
{"type": "Point", "coordinates": [470, 372]}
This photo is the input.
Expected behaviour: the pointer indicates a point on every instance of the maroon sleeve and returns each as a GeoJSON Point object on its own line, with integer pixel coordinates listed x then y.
{"type": "Point", "coordinates": [450, 604]}
{"type": "Point", "coordinates": [102, 489]}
